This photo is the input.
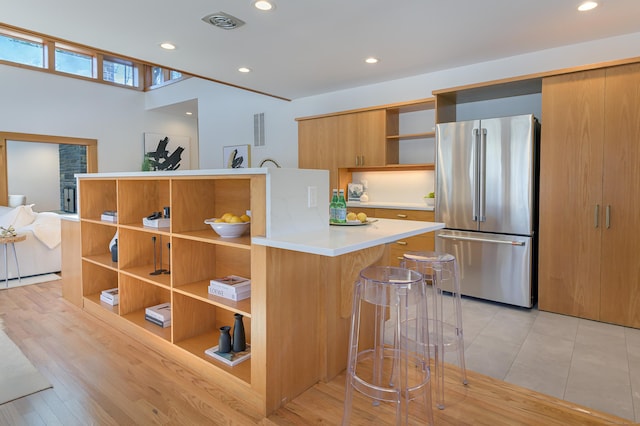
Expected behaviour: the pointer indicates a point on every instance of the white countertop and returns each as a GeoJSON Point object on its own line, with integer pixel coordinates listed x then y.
{"type": "Point", "coordinates": [339, 240]}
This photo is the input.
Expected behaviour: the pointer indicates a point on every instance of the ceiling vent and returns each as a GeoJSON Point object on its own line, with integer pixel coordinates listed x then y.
{"type": "Point", "coordinates": [223, 20]}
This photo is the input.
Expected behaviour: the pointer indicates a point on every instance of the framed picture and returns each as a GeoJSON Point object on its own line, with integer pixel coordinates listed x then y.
{"type": "Point", "coordinates": [236, 156]}
{"type": "Point", "coordinates": [354, 191]}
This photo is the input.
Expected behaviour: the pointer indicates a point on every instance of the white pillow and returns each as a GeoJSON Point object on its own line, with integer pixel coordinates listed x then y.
{"type": "Point", "coordinates": [18, 217]}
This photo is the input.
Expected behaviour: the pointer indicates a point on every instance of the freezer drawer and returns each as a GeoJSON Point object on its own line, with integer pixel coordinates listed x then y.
{"type": "Point", "coordinates": [491, 266]}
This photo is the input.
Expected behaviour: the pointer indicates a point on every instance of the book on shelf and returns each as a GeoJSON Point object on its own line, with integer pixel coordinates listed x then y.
{"type": "Point", "coordinates": [229, 358]}
{"type": "Point", "coordinates": [109, 216]}
{"type": "Point", "coordinates": [156, 223]}
{"type": "Point", "coordinates": [163, 324]}
{"type": "Point", "coordinates": [233, 283]}
{"type": "Point", "coordinates": [230, 294]}
{"type": "Point", "coordinates": [161, 312]}
{"type": "Point", "coordinates": [110, 296]}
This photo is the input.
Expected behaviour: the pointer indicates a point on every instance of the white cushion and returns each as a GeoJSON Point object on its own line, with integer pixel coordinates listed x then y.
{"type": "Point", "coordinates": [18, 217]}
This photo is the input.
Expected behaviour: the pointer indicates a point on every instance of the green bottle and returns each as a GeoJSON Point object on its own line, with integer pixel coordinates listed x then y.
{"type": "Point", "coordinates": [332, 206]}
{"type": "Point", "coordinates": [341, 209]}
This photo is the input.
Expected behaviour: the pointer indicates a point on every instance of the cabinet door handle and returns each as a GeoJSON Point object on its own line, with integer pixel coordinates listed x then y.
{"type": "Point", "coordinates": [357, 160]}
{"type": "Point", "coordinates": [362, 160]}
{"type": "Point", "coordinates": [404, 216]}
{"type": "Point", "coordinates": [402, 243]}
{"type": "Point", "coordinates": [608, 216]}
{"type": "Point", "coordinates": [596, 216]}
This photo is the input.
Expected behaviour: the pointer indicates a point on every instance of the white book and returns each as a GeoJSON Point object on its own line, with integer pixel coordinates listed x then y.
{"type": "Point", "coordinates": [112, 292]}
{"type": "Point", "coordinates": [109, 301]}
{"type": "Point", "coordinates": [156, 223]}
{"type": "Point", "coordinates": [109, 218]}
{"type": "Point", "coordinates": [229, 358]}
{"type": "Point", "coordinates": [230, 294]}
{"type": "Point", "coordinates": [161, 312]}
{"type": "Point", "coordinates": [232, 283]}
{"type": "Point", "coordinates": [163, 324]}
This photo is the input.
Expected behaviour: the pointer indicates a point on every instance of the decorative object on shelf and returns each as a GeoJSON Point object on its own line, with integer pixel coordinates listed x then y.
{"type": "Point", "coordinates": [430, 199]}
{"type": "Point", "coordinates": [156, 271]}
{"type": "Point", "coordinates": [354, 191]}
{"type": "Point", "coordinates": [166, 152]}
{"type": "Point", "coordinates": [114, 251]}
{"type": "Point", "coordinates": [239, 342]}
{"type": "Point", "coordinates": [9, 231]}
{"type": "Point", "coordinates": [228, 230]}
{"type": "Point", "coordinates": [109, 216]}
{"type": "Point", "coordinates": [224, 342]}
{"type": "Point", "coordinates": [168, 271]}
{"type": "Point", "coordinates": [364, 198]}
{"type": "Point", "coordinates": [159, 314]}
{"type": "Point", "coordinates": [112, 243]}
{"type": "Point", "coordinates": [155, 220]}
{"type": "Point", "coordinates": [236, 156]}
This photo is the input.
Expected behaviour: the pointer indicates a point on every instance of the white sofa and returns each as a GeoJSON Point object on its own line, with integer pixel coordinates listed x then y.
{"type": "Point", "coordinates": [40, 252]}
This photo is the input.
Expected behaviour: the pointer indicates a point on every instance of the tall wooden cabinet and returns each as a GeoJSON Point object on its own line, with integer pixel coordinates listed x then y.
{"type": "Point", "coordinates": [589, 195]}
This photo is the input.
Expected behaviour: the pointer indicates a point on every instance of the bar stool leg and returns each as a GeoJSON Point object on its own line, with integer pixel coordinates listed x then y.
{"type": "Point", "coordinates": [15, 256]}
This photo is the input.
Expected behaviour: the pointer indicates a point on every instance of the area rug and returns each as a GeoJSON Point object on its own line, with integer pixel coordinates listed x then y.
{"type": "Point", "coordinates": [18, 377]}
{"type": "Point", "coordinates": [36, 279]}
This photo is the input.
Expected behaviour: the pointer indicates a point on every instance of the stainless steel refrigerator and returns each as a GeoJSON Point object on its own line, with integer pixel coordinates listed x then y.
{"type": "Point", "coordinates": [486, 194]}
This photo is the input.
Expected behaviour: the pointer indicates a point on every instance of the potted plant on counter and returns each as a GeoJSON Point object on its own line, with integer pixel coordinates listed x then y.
{"type": "Point", "coordinates": [430, 199]}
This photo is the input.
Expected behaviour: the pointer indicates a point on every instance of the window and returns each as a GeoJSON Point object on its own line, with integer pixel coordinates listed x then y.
{"type": "Point", "coordinates": [174, 75]}
{"type": "Point", "coordinates": [119, 71]}
{"type": "Point", "coordinates": [74, 62]}
{"type": "Point", "coordinates": [22, 50]}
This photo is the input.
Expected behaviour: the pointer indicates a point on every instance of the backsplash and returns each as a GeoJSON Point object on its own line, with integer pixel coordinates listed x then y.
{"type": "Point", "coordinates": [401, 187]}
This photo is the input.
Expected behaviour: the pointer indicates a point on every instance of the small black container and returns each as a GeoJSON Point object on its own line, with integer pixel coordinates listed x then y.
{"type": "Point", "coordinates": [224, 343]}
{"type": "Point", "coordinates": [239, 342]}
{"type": "Point", "coordinates": [114, 251]}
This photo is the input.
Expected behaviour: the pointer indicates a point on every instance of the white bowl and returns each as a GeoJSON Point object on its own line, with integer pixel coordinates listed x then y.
{"type": "Point", "coordinates": [228, 230]}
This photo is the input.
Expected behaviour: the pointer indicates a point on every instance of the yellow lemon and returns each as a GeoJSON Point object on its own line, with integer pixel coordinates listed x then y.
{"type": "Point", "coordinates": [234, 219]}
{"type": "Point", "coordinates": [245, 218]}
{"type": "Point", "coordinates": [225, 217]}
{"type": "Point", "coordinates": [352, 216]}
{"type": "Point", "coordinates": [362, 217]}
{"type": "Point", "coordinates": [219, 220]}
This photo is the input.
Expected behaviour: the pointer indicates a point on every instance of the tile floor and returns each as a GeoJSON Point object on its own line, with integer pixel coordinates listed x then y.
{"type": "Point", "coordinates": [582, 361]}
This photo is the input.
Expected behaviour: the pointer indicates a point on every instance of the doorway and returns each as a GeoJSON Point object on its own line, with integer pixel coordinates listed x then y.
{"type": "Point", "coordinates": [68, 190]}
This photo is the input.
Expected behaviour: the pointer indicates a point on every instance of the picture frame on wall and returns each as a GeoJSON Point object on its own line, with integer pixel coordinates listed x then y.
{"type": "Point", "coordinates": [164, 152]}
{"type": "Point", "coordinates": [236, 156]}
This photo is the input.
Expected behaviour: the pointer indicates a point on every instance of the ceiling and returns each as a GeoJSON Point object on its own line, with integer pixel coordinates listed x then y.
{"type": "Point", "coordinates": [305, 47]}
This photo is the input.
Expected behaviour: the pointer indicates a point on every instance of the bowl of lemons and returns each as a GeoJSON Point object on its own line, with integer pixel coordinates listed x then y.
{"type": "Point", "coordinates": [229, 225]}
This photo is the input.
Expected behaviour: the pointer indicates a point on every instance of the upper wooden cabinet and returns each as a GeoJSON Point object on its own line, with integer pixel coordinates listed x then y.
{"type": "Point", "coordinates": [589, 180]}
{"type": "Point", "coordinates": [357, 138]}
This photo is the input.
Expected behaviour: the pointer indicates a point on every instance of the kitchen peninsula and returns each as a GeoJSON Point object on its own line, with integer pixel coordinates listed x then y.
{"type": "Point", "coordinates": [302, 270]}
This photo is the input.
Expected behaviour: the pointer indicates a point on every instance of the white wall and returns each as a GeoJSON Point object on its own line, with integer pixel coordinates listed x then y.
{"type": "Point", "coordinates": [34, 171]}
{"type": "Point", "coordinates": [42, 103]}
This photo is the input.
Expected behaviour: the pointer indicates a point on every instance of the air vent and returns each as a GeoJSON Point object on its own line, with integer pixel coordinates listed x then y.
{"type": "Point", "coordinates": [258, 129]}
{"type": "Point", "coordinates": [223, 20]}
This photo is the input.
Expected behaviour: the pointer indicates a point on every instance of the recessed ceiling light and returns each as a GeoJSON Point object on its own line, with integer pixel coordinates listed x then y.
{"type": "Point", "coordinates": [188, 113]}
{"type": "Point", "coordinates": [263, 5]}
{"type": "Point", "coordinates": [587, 5]}
{"type": "Point", "coordinates": [244, 69]}
{"type": "Point", "coordinates": [371, 60]}
{"type": "Point", "coordinates": [168, 46]}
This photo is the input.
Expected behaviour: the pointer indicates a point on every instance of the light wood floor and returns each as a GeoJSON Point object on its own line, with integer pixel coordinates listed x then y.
{"type": "Point", "coordinates": [101, 377]}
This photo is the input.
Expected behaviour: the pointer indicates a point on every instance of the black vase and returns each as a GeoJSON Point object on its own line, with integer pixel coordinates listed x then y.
{"type": "Point", "coordinates": [239, 342]}
{"type": "Point", "coordinates": [224, 343]}
{"type": "Point", "coordinates": [114, 251]}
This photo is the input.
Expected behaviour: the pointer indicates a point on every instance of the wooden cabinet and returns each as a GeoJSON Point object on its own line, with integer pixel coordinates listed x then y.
{"type": "Point", "coordinates": [589, 182]}
{"type": "Point", "coordinates": [190, 251]}
{"type": "Point", "coordinates": [358, 138]}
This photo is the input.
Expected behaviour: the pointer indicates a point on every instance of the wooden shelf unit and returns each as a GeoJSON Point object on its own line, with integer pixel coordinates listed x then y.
{"type": "Point", "coordinates": [189, 249]}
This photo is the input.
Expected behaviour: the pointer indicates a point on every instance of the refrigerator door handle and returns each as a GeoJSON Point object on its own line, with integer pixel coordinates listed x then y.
{"type": "Point", "coordinates": [474, 183]}
{"type": "Point", "coordinates": [482, 172]}
{"type": "Point", "coordinates": [481, 240]}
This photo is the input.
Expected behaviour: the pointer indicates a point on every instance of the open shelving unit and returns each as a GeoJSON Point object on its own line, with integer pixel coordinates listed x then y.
{"type": "Point", "coordinates": [189, 249]}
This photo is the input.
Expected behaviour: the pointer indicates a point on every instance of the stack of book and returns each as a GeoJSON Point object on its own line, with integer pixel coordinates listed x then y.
{"type": "Point", "coordinates": [159, 314]}
{"type": "Point", "coordinates": [110, 296]}
{"type": "Point", "coordinates": [229, 358]}
{"type": "Point", "coordinates": [109, 216]}
{"type": "Point", "coordinates": [231, 287]}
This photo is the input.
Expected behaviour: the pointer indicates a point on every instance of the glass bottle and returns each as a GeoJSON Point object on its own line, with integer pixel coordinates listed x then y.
{"type": "Point", "coordinates": [341, 209]}
{"type": "Point", "coordinates": [332, 206]}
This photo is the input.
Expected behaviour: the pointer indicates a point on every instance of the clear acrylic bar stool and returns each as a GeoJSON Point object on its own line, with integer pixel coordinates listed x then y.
{"type": "Point", "coordinates": [395, 370]}
{"type": "Point", "coordinates": [440, 271]}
